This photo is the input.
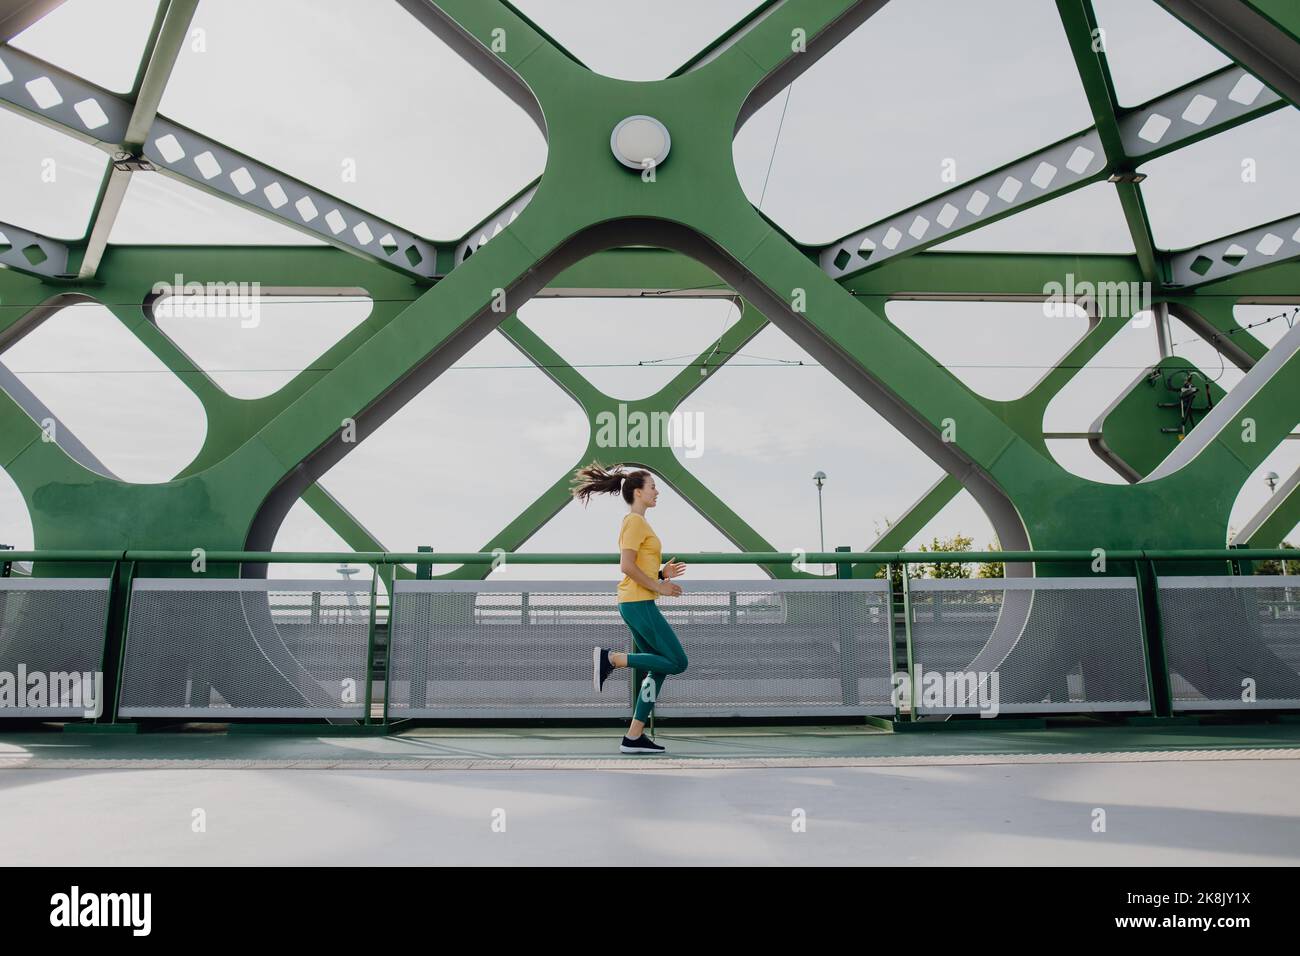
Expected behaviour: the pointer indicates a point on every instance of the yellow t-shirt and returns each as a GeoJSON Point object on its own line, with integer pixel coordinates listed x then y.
{"type": "Point", "coordinates": [637, 535]}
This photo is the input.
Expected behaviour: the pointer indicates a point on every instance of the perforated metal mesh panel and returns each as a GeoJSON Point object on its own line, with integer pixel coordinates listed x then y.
{"type": "Point", "coordinates": [50, 630]}
{"type": "Point", "coordinates": [246, 648]}
{"type": "Point", "coordinates": [1230, 638]}
{"type": "Point", "coordinates": [779, 648]}
{"type": "Point", "coordinates": [1056, 645]}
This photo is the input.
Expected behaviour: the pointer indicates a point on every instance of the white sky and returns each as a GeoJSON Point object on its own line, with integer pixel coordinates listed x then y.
{"type": "Point", "coordinates": [316, 87]}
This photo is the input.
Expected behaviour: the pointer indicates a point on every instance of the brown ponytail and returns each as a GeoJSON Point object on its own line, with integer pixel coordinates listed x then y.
{"type": "Point", "coordinates": [596, 479]}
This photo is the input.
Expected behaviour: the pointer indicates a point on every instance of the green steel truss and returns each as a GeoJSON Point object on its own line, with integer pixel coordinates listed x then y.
{"type": "Point", "coordinates": [590, 224]}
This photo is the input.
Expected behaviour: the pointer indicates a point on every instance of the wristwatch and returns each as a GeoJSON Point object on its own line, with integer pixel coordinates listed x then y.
{"type": "Point", "coordinates": [661, 574]}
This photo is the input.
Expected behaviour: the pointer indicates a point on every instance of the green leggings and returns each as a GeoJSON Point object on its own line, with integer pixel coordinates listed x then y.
{"type": "Point", "coordinates": [651, 632]}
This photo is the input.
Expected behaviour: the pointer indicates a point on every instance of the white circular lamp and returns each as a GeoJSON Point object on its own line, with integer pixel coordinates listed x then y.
{"type": "Point", "coordinates": [640, 142]}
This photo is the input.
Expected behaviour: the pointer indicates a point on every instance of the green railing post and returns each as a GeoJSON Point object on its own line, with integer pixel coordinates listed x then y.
{"type": "Point", "coordinates": [847, 634]}
{"type": "Point", "coordinates": [119, 611]}
{"type": "Point", "coordinates": [423, 572]}
{"type": "Point", "coordinates": [907, 634]}
{"type": "Point", "coordinates": [7, 567]}
{"type": "Point", "coordinates": [370, 639]}
{"type": "Point", "coordinates": [388, 650]}
{"type": "Point", "coordinates": [1144, 628]}
{"type": "Point", "coordinates": [892, 619]}
{"type": "Point", "coordinates": [1153, 631]}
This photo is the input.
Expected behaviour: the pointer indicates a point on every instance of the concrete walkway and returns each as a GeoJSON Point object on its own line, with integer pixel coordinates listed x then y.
{"type": "Point", "coordinates": [762, 796]}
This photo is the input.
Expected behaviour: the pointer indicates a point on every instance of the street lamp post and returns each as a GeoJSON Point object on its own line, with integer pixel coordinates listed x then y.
{"type": "Point", "coordinates": [346, 571]}
{"type": "Point", "coordinates": [820, 478]}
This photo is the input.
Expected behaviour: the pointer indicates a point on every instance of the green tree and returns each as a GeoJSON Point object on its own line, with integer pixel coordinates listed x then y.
{"type": "Point", "coordinates": [992, 569]}
{"type": "Point", "coordinates": [1276, 566]}
{"type": "Point", "coordinates": [895, 576]}
{"type": "Point", "coordinates": [948, 569]}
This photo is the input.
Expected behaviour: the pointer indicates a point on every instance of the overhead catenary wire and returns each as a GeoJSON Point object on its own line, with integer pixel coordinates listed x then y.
{"type": "Point", "coordinates": [274, 299]}
{"type": "Point", "coordinates": [1290, 323]}
{"type": "Point", "coordinates": [763, 361]}
{"type": "Point", "coordinates": [776, 141]}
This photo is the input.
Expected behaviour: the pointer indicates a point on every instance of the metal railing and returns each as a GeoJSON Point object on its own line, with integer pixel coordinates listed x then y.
{"type": "Point", "coordinates": [1143, 570]}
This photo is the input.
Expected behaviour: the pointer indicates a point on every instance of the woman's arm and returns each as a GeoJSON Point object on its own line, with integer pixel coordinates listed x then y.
{"type": "Point", "coordinates": [629, 567]}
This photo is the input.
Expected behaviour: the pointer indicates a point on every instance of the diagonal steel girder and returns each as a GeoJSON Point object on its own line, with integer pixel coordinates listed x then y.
{"type": "Point", "coordinates": [1263, 35]}
{"type": "Point", "coordinates": [29, 251]}
{"type": "Point", "coordinates": [63, 101]}
{"type": "Point", "coordinates": [17, 15]}
{"type": "Point", "coordinates": [491, 227]}
{"type": "Point", "coordinates": [1216, 102]}
{"type": "Point", "coordinates": [1080, 24]}
{"type": "Point", "coordinates": [171, 26]}
{"type": "Point", "coordinates": [1237, 253]}
{"type": "Point", "coordinates": [1063, 167]}
{"type": "Point", "coordinates": [1268, 527]}
{"type": "Point", "coordinates": [224, 172]}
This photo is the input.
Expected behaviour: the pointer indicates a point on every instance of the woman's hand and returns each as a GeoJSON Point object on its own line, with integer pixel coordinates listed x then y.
{"type": "Point", "coordinates": [674, 569]}
{"type": "Point", "coordinates": [668, 589]}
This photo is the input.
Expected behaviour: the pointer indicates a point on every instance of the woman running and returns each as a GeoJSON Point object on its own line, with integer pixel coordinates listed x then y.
{"type": "Point", "coordinates": [659, 651]}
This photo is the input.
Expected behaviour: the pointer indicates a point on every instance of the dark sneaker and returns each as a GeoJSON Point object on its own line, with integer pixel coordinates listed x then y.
{"type": "Point", "coordinates": [601, 668]}
{"type": "Point", "coordinates": [641, 745]}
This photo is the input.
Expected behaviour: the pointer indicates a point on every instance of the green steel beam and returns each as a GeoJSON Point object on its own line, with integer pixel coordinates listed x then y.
{"type": "Point", "coordinates": [344, 523]}
{"type": "Point", "coordinates": [1279, 280]}
{"type": "Point", "coordinates": [1080, 24]}
{"type": "Point", "coordinates": [728, 36]}
{"type": "Point", "coordinates": [1260, 247]}
{"type": "Point", "coordinates": [890, 238]}
{"type": "Point", "coordinates": [1139, 227]}
{"type": "Point", "coordinates": [986, 276]}
{"type": "Point", "coordinates": [1212, 319]}
{"type": "Point", "coordinates": [910, 523]}
{"type": "Point", "coordinates": [1277, 519]}
{"type": "Point", "coordinates": [1261, 35]}
{"type": "Point", "coordinates": [408, 253]}
{"type": "Point", "coordinates": [921, 513]}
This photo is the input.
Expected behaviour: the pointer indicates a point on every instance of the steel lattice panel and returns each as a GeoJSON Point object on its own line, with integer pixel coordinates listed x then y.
{"type": "Point", "coordinates": [1057, 645]}
{"type": "Point", "coordinates": [778, 648]}
{"type": "Point", "coordinates": [246, 648]}
{"type": "Point", "coordinates": [51, 626]}
{"type": "Point", "coordinates": [1220, 632]}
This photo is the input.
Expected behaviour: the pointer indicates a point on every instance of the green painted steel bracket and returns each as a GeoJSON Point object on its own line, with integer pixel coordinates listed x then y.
{"type": "Point", "coordinates": [1140, 430]}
